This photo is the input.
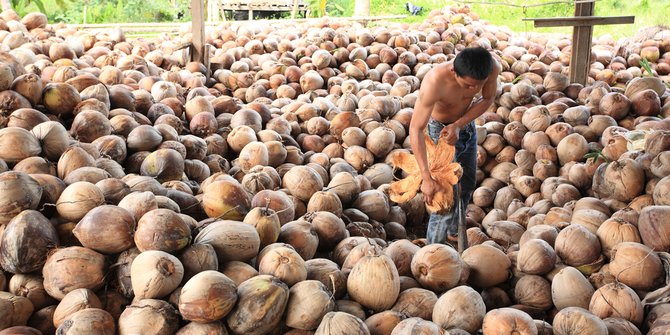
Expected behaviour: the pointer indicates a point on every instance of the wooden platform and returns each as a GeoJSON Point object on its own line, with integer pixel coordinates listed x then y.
{"type": "Point", "coordinates": [152, 29]}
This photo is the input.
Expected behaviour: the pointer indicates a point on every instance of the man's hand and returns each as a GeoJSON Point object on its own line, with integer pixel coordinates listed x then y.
{"type": "Point", "coordinates": [450, 133]}
{"type": "Point", "coordinates": [429, 187]}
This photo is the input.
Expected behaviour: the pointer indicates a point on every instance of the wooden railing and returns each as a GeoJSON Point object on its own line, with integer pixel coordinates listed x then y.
{"type": "Point", "coordinates": [147, 29]}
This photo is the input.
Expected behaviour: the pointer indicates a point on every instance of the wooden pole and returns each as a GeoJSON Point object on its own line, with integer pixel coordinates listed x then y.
{"type": "Point", "coordinates": [582, 36]}
{"type": "Point", "coordinates": [295, 9]}
{"type": "Point", "coordinates": [198, 48]}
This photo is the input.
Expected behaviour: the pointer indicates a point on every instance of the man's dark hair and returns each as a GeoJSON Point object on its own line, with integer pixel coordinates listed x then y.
{"type": "Point", "coordinates": [476, 63]}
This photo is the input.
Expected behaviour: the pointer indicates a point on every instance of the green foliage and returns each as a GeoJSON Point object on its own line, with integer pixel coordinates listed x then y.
{"type": "Point", "coordinates": [108, 11]}
{"type": "Point", "coordinates": [320, 8]}
{"type": "Point", "coordinates": [647, 67]}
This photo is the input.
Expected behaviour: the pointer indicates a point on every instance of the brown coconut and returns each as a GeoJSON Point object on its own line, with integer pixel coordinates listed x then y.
{"type": "Point", "coordinates": [508, 321]}
{"type": "Point", "coordinates": [341, 323]}
{"type": "Point", "coordinates": [71, 268]}
{"type": "Point", "coordinates": [461, 307]}
{"type": "Point", "coordinates": [636, 266]}
{"type": "Point", "coordinates": [26, 242]}
{"type": "Point", "coordinates": [162, 229]}
{"type": "Point", "coordinates": [88, 321]}
{"type": "Point", "coordinates": [261, 303]}
{"type": "Point", "coordinates": [308, 303]}
{"type": "Point", "coordinates": [617, 300]}
{"type": "Point", "coordinates": [73, 302]}
{"type": "Point", "coordinates": [206, 297]}
{"type": "Point", "coordinates": [374, 273]}
{"type": "Point", "coordinates": [149, 315]}
{"type": "Point", "coordinates": [438, 267]}
{"type": "Point", "coordinates": [488, 266]}
{"type": "Point", "coordinates": [654, 226]}
{"type": "Point", "coordinates": [232, 240]}
{"type": "Point", "coordinates": [107, 229]}
{"type": "Point", "coordinates": [155, 274]}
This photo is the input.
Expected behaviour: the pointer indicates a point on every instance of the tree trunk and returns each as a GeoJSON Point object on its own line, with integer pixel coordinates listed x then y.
{"type": "Point", "coordinates": [6, 4]}
{"type": "Point", "coordinates": [362, 8]}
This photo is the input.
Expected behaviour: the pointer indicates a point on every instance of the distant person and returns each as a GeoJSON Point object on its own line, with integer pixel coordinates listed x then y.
{"type": "Point", "coordinates": [447, 107]}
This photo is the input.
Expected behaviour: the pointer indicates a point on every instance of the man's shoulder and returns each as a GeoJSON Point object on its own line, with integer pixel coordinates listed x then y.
{"type": "Point", "coordinates": [439, 72]}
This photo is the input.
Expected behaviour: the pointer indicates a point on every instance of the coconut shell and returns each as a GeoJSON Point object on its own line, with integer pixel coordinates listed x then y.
{"type": "Point", "coordinates": [329, 274]}
{"type": "Point", "coordinates": [43, 320]}
{"type": "Point", "coordinates": [488, 265]}
{"type": "Point", "coordinates": [197, 258]}
{"type": "Point", "coordinates": [60, 98]}
{"type": "Point", "coordinates": [149, 315]}
{"type": "Point", "coordinates": [374, 273]}
{"type": "Point", "coordinates": [71, 268]}
{"type": "Point", "coordinates": [617, 300]}
{"type": "Point", "coordinates": [536, 257]}
{"type": "Point", "coordinates": [533, 291]}
{"type": "Point", "coordinates": [508, 321]}
{"type": "Point", "coordinates": [576, 246]}
{"type": "Point", "coordinates": [636, 266]}
{"type": "Point", "coordinates": [416, 302]}
{"type": "Point", "coordinates": [401, 252]}
{"type": "Point", "coordinates": [654, 226]}
{"type": "Point", "coordinates": [283, 263]}
{"type": "Point", "coordinates": [26, 241]}
{"type": "Point", "coordinates": [330, 228]}
{"type": "Point", "coordinates": [261, 303]}
{"type": "Point", "coordinates": [18, 144]}
{"type": "Point", "coordinates": [155, 274]}
{"type": "Point", "coordinates": [618, 326]}
{"type": "Point", "coordinates": [302, 236]}
{"type": "Point", "coordinates": [207, 297]}
{"type": "Point", "coordinates": [576, 320]}
{"type": "Point", "coordinates": [164, 165]}
{"type": "Point", "coordinates": [162, 229]}
{"type": "Point", "coordinates": [15, 310]}
{"type": "Point", "coordinates": [461, 307]}
{"type": "Point", "coordinates": [232, 240]}
{"type": "Point", "coordinates": [225, 199]}
{"type": "Point", "coordinates": [383, 322]}
{"type": "Point", "coordinates": [12, 203]}
{"type": "Point", "coordinates": [570, 288]}
{"type": "Point", "coordinates": [416, 325]}
{"type": "Point", "coordinates": [437, 267]}
{"type": "Point", "coordinates": [73, 302]}
{"type": "Point", "coordinates": [340, 323]}
{"type": "Point", "coordinates": [77, 199]}
{"type": "Point", "coordinates": [308, 302]}
{"type": "Point", "coordinates": [196, 328]}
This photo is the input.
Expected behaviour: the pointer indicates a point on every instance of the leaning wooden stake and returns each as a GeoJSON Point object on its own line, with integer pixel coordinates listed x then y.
{"type": "Point", "coordinates": [198, 46]}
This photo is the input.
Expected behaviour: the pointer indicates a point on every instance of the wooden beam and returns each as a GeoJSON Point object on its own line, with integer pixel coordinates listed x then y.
{"type": "Point", "coordinates": [582, 36]}
{"type": "Point", "coordinates": [581, 21]}
{"type": "Point", "coordinates": [198, 46]}
{"type": "Point", "coordinates": [295, 9]}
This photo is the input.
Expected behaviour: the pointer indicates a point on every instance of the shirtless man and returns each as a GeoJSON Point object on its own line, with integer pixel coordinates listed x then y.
{"type": "Point", "coordinates": [447, 108]}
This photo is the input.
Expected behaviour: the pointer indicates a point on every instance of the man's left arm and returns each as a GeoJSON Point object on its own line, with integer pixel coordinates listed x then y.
{"type": "Point", "coordinates": [482, 104]}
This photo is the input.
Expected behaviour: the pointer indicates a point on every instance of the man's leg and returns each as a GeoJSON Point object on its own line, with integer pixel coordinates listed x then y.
{"type": "Point", "coordinates": [468, 160]}
{"type": "Point", "coordinates": [437, 223]}
{"type": "Point", "coordinates": [466, 155]}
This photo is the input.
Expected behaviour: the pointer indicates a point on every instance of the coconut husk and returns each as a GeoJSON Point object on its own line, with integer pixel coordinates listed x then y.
{"type": "Point", "coordinates": [442, 169]}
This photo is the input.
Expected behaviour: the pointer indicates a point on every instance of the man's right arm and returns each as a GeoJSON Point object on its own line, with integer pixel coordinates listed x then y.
{"type": "Point", "coordinates": [422, 111]}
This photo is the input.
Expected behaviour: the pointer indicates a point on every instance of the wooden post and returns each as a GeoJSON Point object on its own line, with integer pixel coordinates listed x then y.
{"type": "Point", "coordinates": [198, 46]}
{"type": "Point", "coordinates": [582, 36]}
{"type": "Point", "coordinates": [295, 9]}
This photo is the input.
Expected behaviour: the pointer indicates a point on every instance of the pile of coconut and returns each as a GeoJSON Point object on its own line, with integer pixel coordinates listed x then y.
{"type": "Point", "coordinates": [144, 194]}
